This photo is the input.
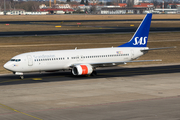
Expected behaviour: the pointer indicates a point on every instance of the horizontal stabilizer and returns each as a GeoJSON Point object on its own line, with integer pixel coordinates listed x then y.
{"type": "Point", "coordinates": [158, 48]}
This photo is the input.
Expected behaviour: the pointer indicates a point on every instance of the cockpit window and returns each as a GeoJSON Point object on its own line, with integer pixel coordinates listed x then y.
{"type": "Point", "coordinates": [16, 60]}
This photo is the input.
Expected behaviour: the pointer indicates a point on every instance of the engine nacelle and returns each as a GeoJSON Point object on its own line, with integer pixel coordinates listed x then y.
{"type": "Point", "coordinates": [82, 69]}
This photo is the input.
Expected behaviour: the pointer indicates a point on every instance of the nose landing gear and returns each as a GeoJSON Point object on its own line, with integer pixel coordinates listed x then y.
{"type": "Point", "coordinates": [21, 76]}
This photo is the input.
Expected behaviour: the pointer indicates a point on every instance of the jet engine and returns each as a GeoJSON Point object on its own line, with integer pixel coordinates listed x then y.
{"type": "Point", "coordinates": [82, 69]}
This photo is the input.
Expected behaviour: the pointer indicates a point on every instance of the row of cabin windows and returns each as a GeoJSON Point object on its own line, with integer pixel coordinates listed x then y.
{"type": "Point", "coordinates": [97, 56]}
{"type": "Point", "coordinates": [49, 59]}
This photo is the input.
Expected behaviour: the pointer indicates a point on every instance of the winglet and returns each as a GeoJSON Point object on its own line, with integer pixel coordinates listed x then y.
{"type": "Point", "coordinates": [140, 37]}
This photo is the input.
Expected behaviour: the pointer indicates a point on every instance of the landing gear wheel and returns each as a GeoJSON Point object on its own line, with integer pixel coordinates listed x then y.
{"type": "Point", "coordinates": [21, 77]}
{"type": "Point", "coordinates": [94, 73]}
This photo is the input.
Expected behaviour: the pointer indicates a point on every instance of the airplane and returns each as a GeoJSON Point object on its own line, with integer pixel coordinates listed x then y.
{"type": "Point", "coordinates": [84, 61]}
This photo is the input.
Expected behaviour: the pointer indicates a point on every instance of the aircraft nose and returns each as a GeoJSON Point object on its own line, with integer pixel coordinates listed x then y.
{"type": "Point", "coordinates": [7, 66]}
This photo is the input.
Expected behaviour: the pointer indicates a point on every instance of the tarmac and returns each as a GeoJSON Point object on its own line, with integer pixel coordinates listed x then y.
{"type": "Point", "coordinates": [119, 93]}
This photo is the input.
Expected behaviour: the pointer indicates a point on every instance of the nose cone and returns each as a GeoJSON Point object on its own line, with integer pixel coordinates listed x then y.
{"type": "Point", "coordinates": [7, 66]}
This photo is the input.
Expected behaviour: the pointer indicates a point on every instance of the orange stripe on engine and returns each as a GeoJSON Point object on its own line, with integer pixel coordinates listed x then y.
{"type": "Point", "coordinates": [84, 69]}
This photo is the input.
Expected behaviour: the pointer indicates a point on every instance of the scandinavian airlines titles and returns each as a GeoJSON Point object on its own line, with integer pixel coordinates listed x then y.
{"type": "Point", "coordinates": [43, 56]}
{"type": "Point", "coordinates": [140, 41]}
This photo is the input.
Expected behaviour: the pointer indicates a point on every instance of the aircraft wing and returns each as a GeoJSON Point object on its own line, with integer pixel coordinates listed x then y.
{"type": "Point", "coordinates": [106, 64]}
{"type": "Point", "coordinates": [157, 48]}
{"type": "Point", "coordinates": [118, 63]}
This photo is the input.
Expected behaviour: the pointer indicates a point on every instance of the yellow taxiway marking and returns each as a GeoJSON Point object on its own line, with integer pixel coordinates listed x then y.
{"type": "Point", "coordinates": [57, 26]}
{"type": "Point", "coordinates": [14, 80]}
{"type": "Point", "coordinates": [36, 78]}
{"type": "Point", "coordinates": [9, 108]}
{"type": "Point", "coordinates": [6, 81]}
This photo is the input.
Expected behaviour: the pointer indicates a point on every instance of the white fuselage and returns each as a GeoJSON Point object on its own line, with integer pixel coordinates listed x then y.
{"type": "Point", "coordinates": [63, 59]}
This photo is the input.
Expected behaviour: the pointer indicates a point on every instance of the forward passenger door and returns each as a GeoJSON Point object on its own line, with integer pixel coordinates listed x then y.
{"type": "Point", "coordinates": [30, 60]}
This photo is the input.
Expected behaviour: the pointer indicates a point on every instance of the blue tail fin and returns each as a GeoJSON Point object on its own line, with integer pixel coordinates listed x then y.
{"type": "Point", "coordinates": [140, 37]}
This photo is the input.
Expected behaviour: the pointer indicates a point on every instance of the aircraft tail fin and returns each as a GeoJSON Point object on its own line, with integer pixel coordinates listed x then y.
{"type": "Point", "coordinates": [140, 37]}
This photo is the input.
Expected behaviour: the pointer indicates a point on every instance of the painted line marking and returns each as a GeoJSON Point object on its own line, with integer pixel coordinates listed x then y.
{"type": "Point", "coordinates": [9, 108]}
{"type": "Point", "coordinates": [15, 80]}
{"type": "Point", "coordinates": [7, 81]}
{"type": "Point", "coordinates": [36, 78]}
{"type": "Point", "coordinates": [11, 80]}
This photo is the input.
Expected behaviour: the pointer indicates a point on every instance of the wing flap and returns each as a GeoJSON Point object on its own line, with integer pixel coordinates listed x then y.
{"type": "Point", "coordinates": [118, 63]}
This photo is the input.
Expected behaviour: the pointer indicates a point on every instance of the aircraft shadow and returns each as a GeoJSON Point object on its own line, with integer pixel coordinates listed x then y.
{"type": "Point", "coordinates": [101, 73]}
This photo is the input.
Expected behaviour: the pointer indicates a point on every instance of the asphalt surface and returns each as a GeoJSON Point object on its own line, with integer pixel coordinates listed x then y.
{"type": "Point", "coordinates": [118, 93]}
{"type": "Point", "coordinates": [106, 29]}
{"type": "Point", "coordinates": [97, 31]}
{"type": "Point", "coordinates": [101, 73]}
{"type": "Point", "coordinates": [29, 22]}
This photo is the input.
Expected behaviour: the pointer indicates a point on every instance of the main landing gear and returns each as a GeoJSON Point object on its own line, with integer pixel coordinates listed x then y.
{"type": "Point", "coordinates": [94, 73]}
{"type": "Point", "coordinates": [21, 77]}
